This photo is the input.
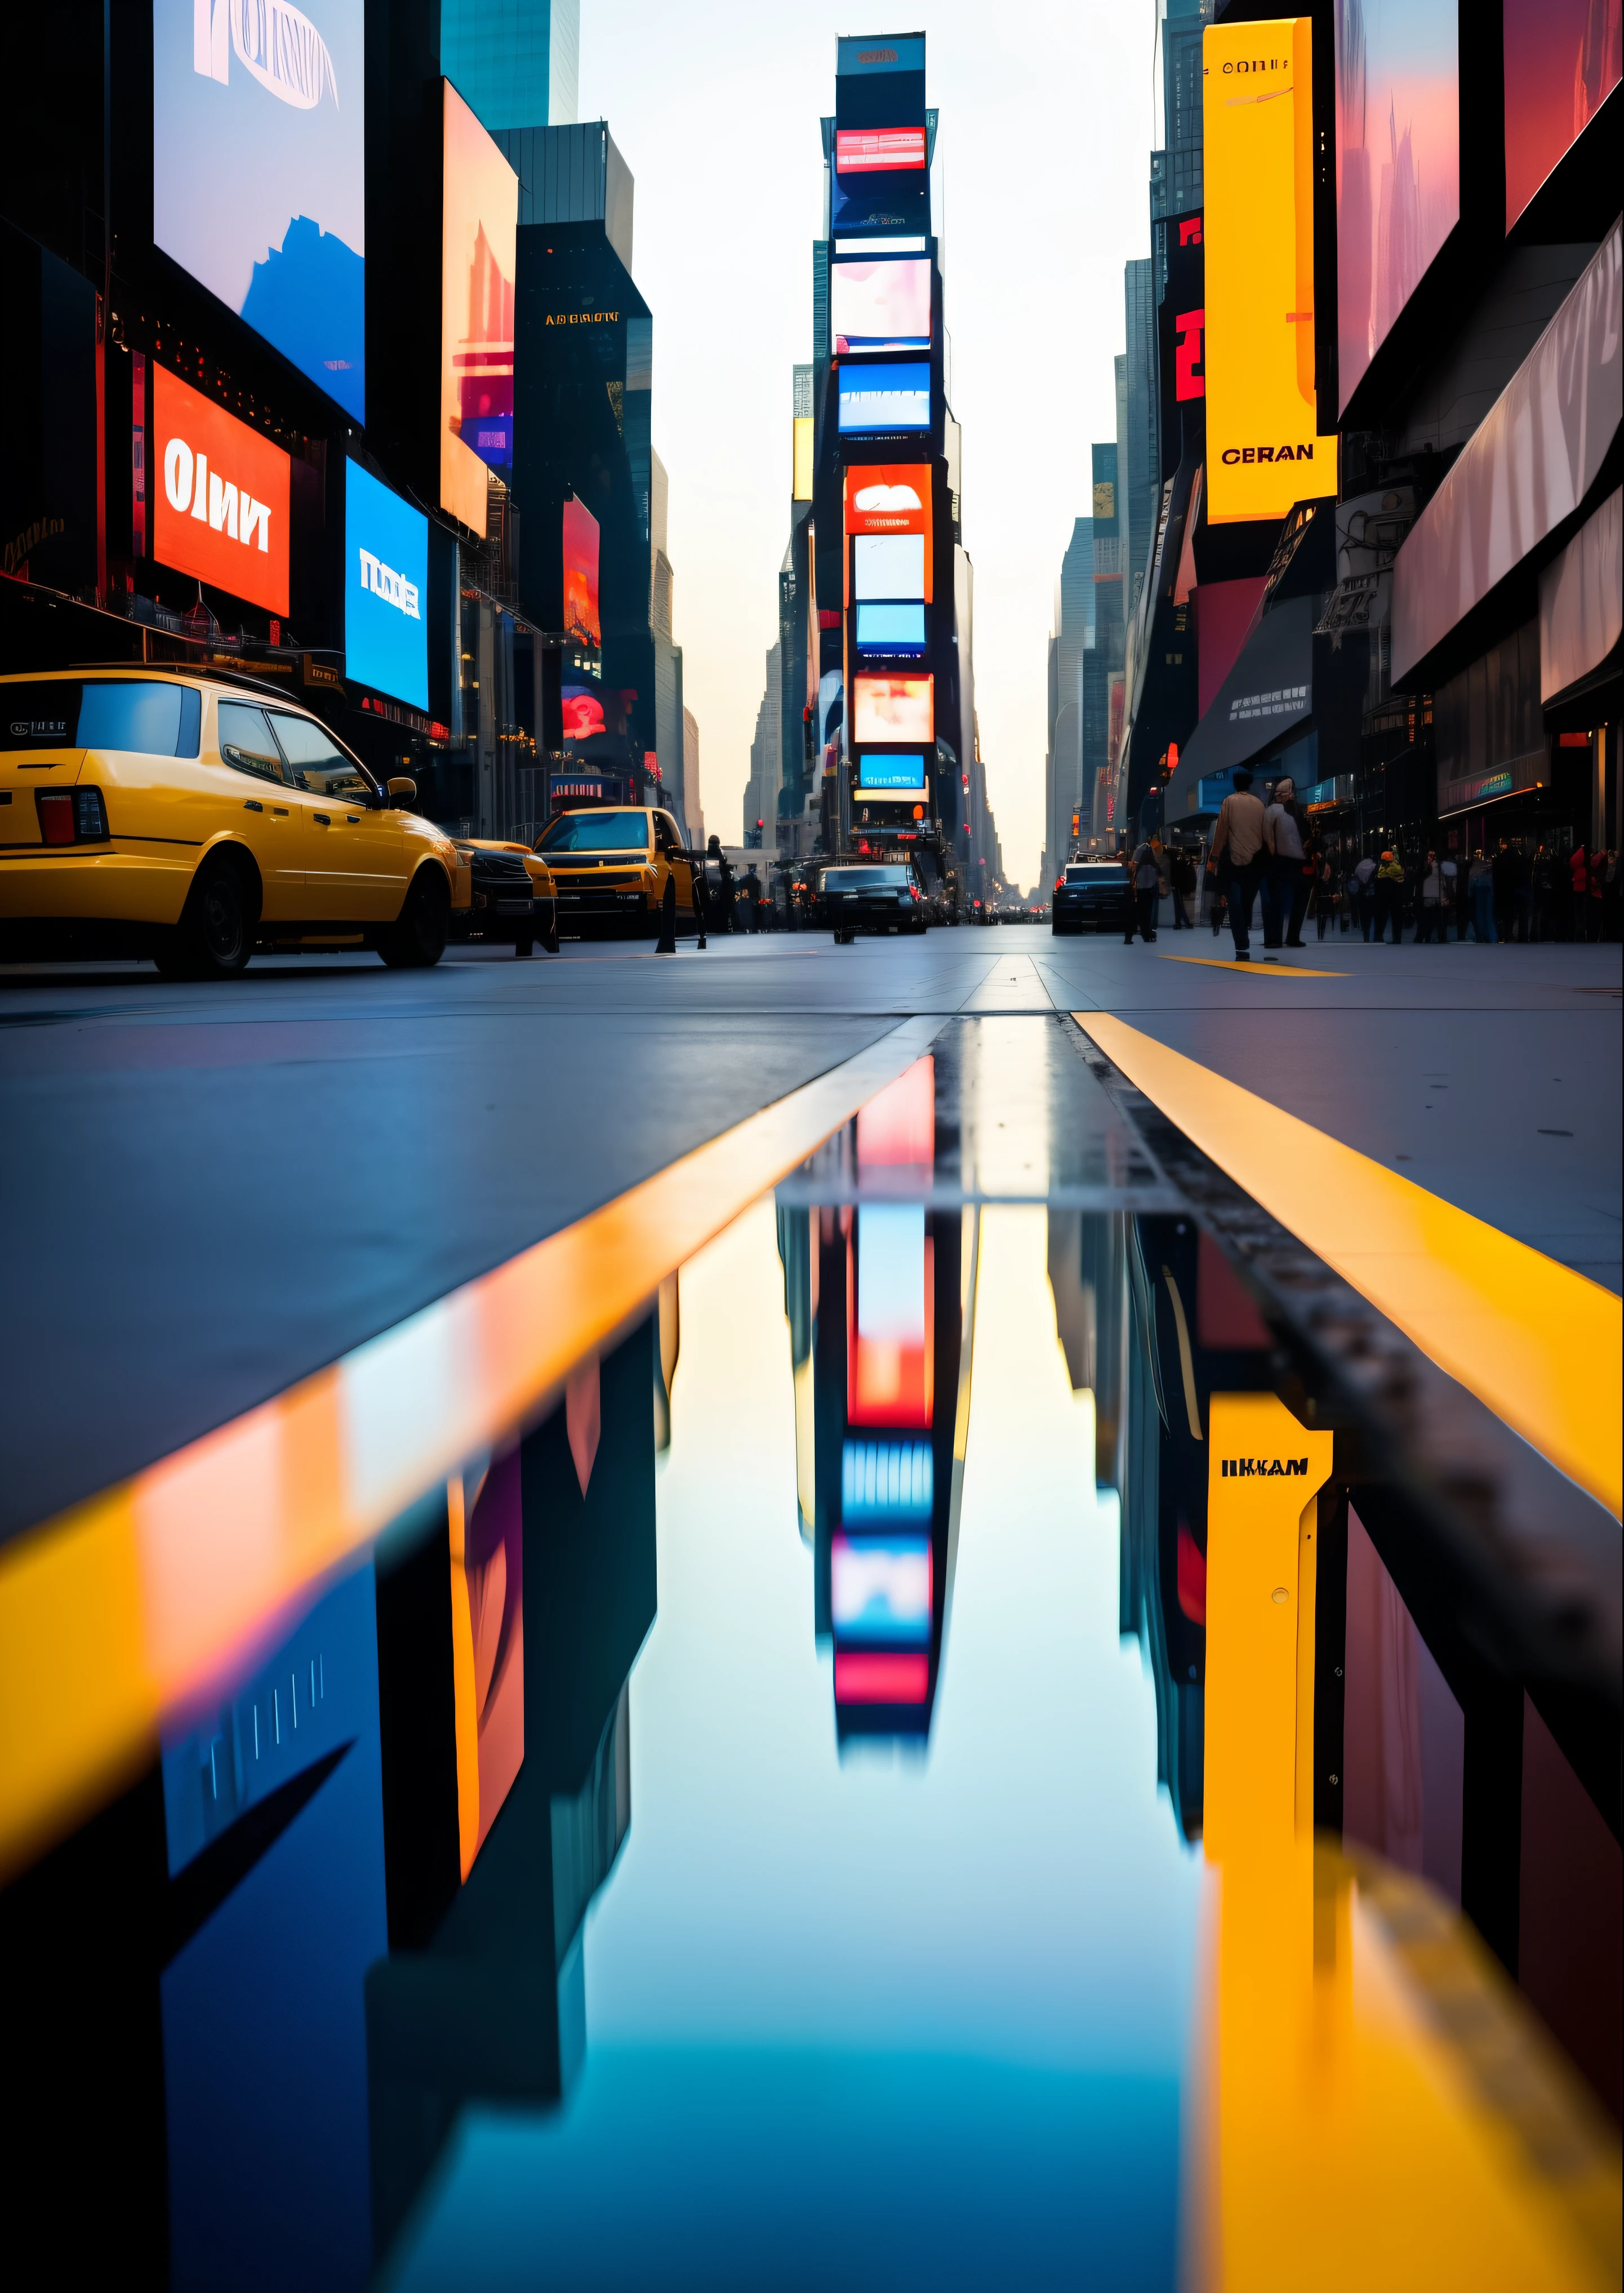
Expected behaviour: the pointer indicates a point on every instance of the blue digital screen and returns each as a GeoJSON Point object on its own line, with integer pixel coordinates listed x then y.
{"type": "Point", "coordinates": [386, 584]}
{"type": "Point", "coordinates": [894, 770]}
{"type": "Point", "coordinates": [890, 629]}
{"type": "Point", "coordinates": [880, 398]}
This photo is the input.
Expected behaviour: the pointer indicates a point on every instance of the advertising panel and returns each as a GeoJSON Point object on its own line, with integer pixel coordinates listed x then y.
{"type": "Point", "coordinates": [881, 306]}
{"type": "Point", "coordinates": [863, 150]}
{"type": "Point", "coordinates": [889, 565]}
{"type": "Point", "coordinates": [880, 1588]}
{"type": "Point", "coordinates": [478, 252]}
{"type": "Point", "coordinates": [1263, 450]}
{"type": "Point", "coordinates": [582, 621]}
{"type": "Point", "coordinates": [876, 399]}
{"type": "Point", "coordinates": [258, 172]}
{"type": "Point", "coordinates": [893, 708]}
{"type": "Point", "coordinates": [891, 774]}
{"type": "Point", "coordinates": [1563, 60]}
{"type": "Point", "coordinates": [1180, 324]}
{"type": "Point", "coordinates": [1397, 163]}
{"type": "Point", "coordinates": [889, 498]}
{"type": "Point", "coordinates": [387, 583]}
{"type": "Point", "coordinates": [220, 506]}
{"type": "Point", "coordinates": [890, 629]}
{"type": "Point", "coordinates": [859, 58]}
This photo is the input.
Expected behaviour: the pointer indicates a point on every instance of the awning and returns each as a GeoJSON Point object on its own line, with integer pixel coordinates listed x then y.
{"type": "Point", "coordinates": [1268, 691]}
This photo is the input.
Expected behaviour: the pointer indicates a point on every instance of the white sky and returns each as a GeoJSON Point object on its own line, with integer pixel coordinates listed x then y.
{"type": "Point", "coordinates": [1047, 128]}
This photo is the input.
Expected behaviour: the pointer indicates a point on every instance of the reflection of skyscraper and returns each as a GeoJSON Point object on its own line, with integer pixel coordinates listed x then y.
{"type": "Point", "coordinates": [485, 359]}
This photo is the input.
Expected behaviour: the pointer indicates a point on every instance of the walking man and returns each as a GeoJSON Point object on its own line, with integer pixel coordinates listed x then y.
{"type": "Point", "coordinates": [1237, 859]}
{"type": "Point", "coordinates": [1145, 873]}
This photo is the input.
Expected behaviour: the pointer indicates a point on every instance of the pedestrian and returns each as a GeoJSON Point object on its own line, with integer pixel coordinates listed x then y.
{"type": "Point", "coordinates": [1579, 895]}
{"type": "Point", "coordinates": [749, 892]}
{"type": "Point", "coordinates": [1448, 904]}
{"type": "Point", "coordinates": [1146, 879]}
{"type": "Point", "coordinates": [1610, 897]}
{"type": "Point", "coordinates": [1389, 898]}
{"type": "Point", "coordinates": [1183, 874]}
{"type": "Point", "coordinates": [1433, 918]}
{"type": "Point", "coordinates": [722, 905]}
{"type": "Point", "coordinates": [1327, 898]}
{"type": "Point", "coordinates": [1503, 867]}
{"type": "Point", "coordinates": [1479, 892]}
{"type": "Point", "coordinates": [1289, 877]}
{"type": "Point", "coordinates": [1237, 858]}
{"type": "Point", "coordinates": [1363, 888]}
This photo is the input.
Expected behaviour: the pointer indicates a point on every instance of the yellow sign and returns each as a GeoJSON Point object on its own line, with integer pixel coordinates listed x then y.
{"type": "Point", "coordinates": [801, 480]}
{"type": "Point", "coordinates": [1263, 450]}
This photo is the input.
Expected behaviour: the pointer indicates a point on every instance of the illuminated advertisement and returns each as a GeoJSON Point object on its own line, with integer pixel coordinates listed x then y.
{"type": "Point", "coordinates": [487, 1646]}
{"type": "Point", "coordinates": [889, 1307]}
{"type": "Point", "coordinates": [1264, 448]}
{"type": "Point", "coordinates": [893, 708]}
{"type": "Point", "coordinates": [258, 172]}
{"type": "Point", "coordinates": [583, 718]}
{"type": "Point", "coordinates": [889, 498]}
{"type": "Point", "coordinates": [874, 398]}
{"type": "Point", "coordinates": [1563, 60]}
{"type": "Point", "coordinates": [890, 629]}
{"type": "Point", "coordinates": [386, 584]}
{"type": "Point", "coordinates": [880, 306]}
{"type": "Point", "coordinates": [861, 58]}
{"type": "Point", "coordinates": [866, 151]}
{"type": "Point", "coordinates": [220, 506]}
{"type": "Point", "coordinates": [1397, 163]}
{"type": "Point", "coordinates": [581, 618]}
{"type": "Point", "coordinates": [880, 1588]}
{"type": "Point", "coordinates": [889, 565]}
{"type": "Point", "coordinates": [479, 255]}
{"type": "Point", "coordinates": [890, 773]}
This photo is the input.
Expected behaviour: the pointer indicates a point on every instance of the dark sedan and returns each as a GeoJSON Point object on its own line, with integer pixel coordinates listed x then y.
{"type": "Point", "coordinates": [877, 896]}
{"type": "Point", "coordinates": [1090, 895]}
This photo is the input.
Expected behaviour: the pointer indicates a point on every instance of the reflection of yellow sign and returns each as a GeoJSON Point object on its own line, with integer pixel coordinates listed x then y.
{"type": "Point", "coordinates": [801, 488]}
{"type": "Point", "coordinates": [1263, 451]}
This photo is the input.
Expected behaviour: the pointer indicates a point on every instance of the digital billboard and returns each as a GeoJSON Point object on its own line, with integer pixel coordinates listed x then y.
{"type": "Point", "coordinates": [220, 506]}
{"type": "Point", "coordinates": [1263, 447]}
{"type": "Point", "coordinates": [258, 172]}
{"type": "Point", "coordinates": [890, 629]}
{"type": "Point", "coordinates": [880, 1588]}
{"type": "Point", "coordinates": [893, 708]}
{"type": "Point", "coordinates": [889, 565]}
{"type": "Point", "coordinates": [1562, 62]}
{"type": "Point", "coordinates": [1397, 163]}
{"type": "Point", "coordinates": [890, 773]}
{"type": "Point", "coordinates": [861, 58]}
{"type": "Point", "coordinates": [866, 151]}
{"type": "Point", "coordinates": [880, 306]}
{"type": "Point", "coordinates": [387, 581]}
{"type": "Point", "coordinates": [888, 498]}
{"type": "Point", "coordinates": [479, 244]}
{"type": "Point", "coordinates": [876, 399]}
{"type": "Point", "coordinates": [582, 622]}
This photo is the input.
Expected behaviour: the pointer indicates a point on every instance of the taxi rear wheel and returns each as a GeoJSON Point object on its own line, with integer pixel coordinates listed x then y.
{"type": "Point", "coordinates": [215, 937]}
{"type": "Point", "coordinates": [417, 940]}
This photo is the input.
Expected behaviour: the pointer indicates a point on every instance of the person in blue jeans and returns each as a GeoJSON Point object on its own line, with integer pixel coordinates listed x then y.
{"type": "Point", "coordinates": [1237, 859]}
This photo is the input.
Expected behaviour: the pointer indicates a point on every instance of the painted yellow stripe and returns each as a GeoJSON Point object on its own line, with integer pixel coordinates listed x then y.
{"type": "Point", "coordinates": [1255, 970]}
{"type": "Point", "coordinates": [1541, 1345]}
{"type": "Point", "coordinates": [138, 1602]}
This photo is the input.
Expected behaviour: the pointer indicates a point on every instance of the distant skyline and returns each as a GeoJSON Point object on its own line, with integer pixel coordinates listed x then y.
{"type": "Point", "coordinates": [1048, 124]}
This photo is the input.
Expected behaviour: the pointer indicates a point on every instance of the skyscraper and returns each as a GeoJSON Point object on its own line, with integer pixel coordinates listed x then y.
{"type": "Point", "coordinates": [1103, 693]}
{"type": "Point", "coordinates": [515, 63]}
{"type": "Point", "coordinates": [1069, 647]}
{"type": "Point", "coordinates": [1136, 442]}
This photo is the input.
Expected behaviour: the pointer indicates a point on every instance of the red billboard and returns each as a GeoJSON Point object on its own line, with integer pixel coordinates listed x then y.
{"type": "Point", "coordinates": [865, 150]}
{"type": "Point", "coordinates": [220, 507]}
{"type": "Point", "coordinates": [582, 622]}
{"type": "Point", "coordinates": [1563, 60]}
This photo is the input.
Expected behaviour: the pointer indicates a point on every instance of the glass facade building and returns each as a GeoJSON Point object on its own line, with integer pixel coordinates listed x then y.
{"type": "Point", "coordinates": [515, 63]}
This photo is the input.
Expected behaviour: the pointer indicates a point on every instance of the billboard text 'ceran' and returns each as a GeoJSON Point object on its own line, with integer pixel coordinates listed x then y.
{"type": "Point", "coordinates": [220, 507]}
{"type": "Point", "coordinates": [1264, 448]}
{"type": "Point", "coordinates": [480, 256]}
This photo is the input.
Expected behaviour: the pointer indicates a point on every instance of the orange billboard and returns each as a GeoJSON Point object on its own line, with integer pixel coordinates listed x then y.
{"type": "Point", "coordinates": [889, 497]}
{"type": "Point", "coordinates": [479, 251]}
{"type": "Point", "coordinates": [219, 512]}
{"type": "Point", "coordinates": [893, 709]}
{"type": "Point", "coordinates": [1264, 448]}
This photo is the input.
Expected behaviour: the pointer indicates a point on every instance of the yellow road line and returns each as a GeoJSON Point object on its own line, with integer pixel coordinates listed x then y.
{"type": "Point", "coordinates": [1541, 1345]}
{"type": "Point", "coordinates": [1258, 970]}
{"type": "Point", "coordinates": [142, 1599]}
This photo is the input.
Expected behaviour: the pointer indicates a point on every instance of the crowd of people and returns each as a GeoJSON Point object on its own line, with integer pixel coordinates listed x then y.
{"type": "Point", "coordinates": [1271, 857]}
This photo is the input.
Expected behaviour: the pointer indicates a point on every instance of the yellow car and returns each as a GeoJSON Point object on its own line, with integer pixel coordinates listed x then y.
{"type": "Point", "coordinates": [513, 896]}
{"type": "Point", "coordinates": [611, 866]}
{"type": "Point", "coordinates": [193, 819]}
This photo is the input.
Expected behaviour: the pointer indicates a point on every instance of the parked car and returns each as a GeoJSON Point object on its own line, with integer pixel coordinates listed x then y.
{"type": "Point", "coordinates": [872, 896]}
{"type": "Point", "coordinates": [191, 819]}
{"type": "Point", "coordinates": [513, 902]}
{"type": "Point", "coordinates": [1089, 895]}
{"type": "Point", "coordinates": [610, 867]}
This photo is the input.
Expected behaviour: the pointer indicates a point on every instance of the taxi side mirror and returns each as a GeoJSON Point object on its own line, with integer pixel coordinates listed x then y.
{"type": "Point", "coordinates": [402, 791]}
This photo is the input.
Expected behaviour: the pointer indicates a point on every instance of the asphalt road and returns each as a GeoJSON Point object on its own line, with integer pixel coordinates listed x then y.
{"type": "Point", "coordinates": [214, 1189]}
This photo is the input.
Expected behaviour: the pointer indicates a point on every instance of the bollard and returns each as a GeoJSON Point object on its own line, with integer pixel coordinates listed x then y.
{"type": "Point", "coordinates": [666, 944]}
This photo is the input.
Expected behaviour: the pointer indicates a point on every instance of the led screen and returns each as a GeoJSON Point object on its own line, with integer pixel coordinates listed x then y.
{"type": "Point", "coordinates": [878, 150]}
{"type": "Point", "coordinates": [220, 503]}
{"type": "Point", "coordinates": [387, 581]}
{"type": "Point", "coordinates": [583, 718]}
{"type": "Point", "coordinates": [888, 498]}
{"type": "Point", "coordinates": [889, 565]}
{"type": "Point", "coordinates": [880, 398]}
{"type": "Point", "coordinates": [479, 249]}
{"type": "Point", "coordinates": [890, 1303]}
{"type": "Point", "coordinates": [581, 617]}
{"type": "Point", "coordinates": [890, 629]}
{"type": "Point", "coordinates": [893, 708]}
{"type": "Point", "coordinates": [880, 1590]}
{"type": "Point", "coordinates": [897, 51]}
{"type": "Point", "coordinates": [1264, 448]}
{"type": "Point", "coordinates": [1397, 163]}
{"type": "Point", "coordinates": [893, 772]}
{"type": "Point", "coordinates": [258, 166]}
{"type": "Point", "coordinates": [1562, 62]}
{"type": "Point", "coordinates": [880, 306]}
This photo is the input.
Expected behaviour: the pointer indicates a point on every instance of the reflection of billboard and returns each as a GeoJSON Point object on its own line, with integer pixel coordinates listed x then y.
{"type": "Point", "coordinates": [890, 629]}
{"type": "Point", "coordinates": [1398, 163]}
{"type": "Point", "coordinates": [487, 1646]}
{"type": "Point", "coordinates": [1563, 60]}
{"type": "Point", "coordinates": [890, 1310]}
{"type": "Point", "coordinates": [880, 1588]}
{"type": "Point", "coordinates": [258, 176]}
{"type": "Point", "coordinates": [479, 255]}
{"type": "Point", "coordinates": [874, 398]}
{"type": "Point", "coordinates": [1263, 450]}
{"type": "Point", "coordinates": [386, 582]}
{"type": "Point", "coordinates": [880, 306]}
{"type": "Point", "coordinates": [890, 566]}
{"type": "Point", "coordinates": [220, 503]}
{"type": "Point", "coordinates": [581, 619]}
{"type": "Point", "coordinates": [893, 708]}
{"type": "Point", "coordinates": [895, 773]}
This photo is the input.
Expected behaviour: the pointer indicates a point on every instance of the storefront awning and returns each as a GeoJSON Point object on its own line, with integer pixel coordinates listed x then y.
{"type": "Point", "coordinates": [1268, 691]}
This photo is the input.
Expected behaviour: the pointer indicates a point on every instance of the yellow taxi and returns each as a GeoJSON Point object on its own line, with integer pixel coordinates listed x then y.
{"type": "Point", "coordinates": [513, 899]}
{"type": "Point", "coordinates": [193, 819]}
{"type": "Point", "coordinates": [611, 866]}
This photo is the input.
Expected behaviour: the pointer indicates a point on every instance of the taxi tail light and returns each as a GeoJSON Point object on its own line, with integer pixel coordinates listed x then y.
{"type": "Point", "coordinates": [71, 816]}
